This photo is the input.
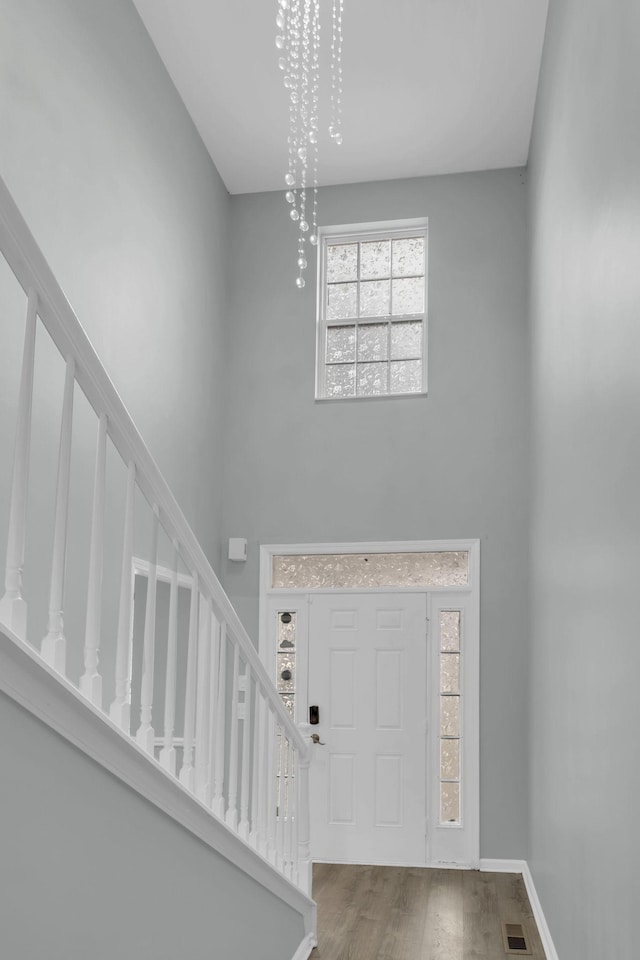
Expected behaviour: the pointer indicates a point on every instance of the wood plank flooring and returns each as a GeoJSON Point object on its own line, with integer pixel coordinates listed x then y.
{"type": "Point", "coordinates": [411, 913]}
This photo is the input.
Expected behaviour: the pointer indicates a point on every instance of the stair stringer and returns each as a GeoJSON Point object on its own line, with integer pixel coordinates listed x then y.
{"type": "Point", "coordinates": [26, 679]}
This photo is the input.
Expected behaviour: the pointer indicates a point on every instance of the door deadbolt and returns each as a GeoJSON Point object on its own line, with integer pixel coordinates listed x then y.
{"type": "Point", "coordinates": [314, 715]}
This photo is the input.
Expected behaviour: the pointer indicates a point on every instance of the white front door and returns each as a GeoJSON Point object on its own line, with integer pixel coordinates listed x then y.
{"type": "Point", "coordinates": [367, 676]}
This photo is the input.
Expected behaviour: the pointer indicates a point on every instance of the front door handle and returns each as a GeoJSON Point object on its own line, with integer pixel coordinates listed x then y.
{"type": "Point", "coordinates": [315, 738]}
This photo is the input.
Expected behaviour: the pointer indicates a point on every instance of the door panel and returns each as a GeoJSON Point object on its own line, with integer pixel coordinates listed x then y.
{"type": "Point", "coordinates": [367, 674]}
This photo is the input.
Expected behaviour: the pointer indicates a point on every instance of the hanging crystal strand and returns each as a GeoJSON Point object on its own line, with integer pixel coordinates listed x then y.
{"type": "Point", "coordinates": [296, 102]}
{"type": "Point", "coordinates": [284, 25]}
{"type": "Point", "coordinates": [313, 120]}
{"type": "Point", "coordinates": [304, 132]}
{"type": "Point", "coordinates": [304, 226]}
{"type": "Point", "coordinates": [336, 72]}
{"type": "Point", "coordinates": [291, 84]}
{"type": "Point", "coordinates": [299, 42]}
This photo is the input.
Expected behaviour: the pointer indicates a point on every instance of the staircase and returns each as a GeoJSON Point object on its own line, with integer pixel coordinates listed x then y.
{"type": "Point", "coordinates": [186, 714]}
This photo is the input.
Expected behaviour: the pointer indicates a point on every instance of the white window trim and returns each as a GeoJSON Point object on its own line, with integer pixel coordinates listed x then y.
{"type": "Point", "coordinates": [363, 232]}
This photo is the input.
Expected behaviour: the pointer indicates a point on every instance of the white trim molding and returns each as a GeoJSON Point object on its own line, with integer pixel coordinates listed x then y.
{"type": "Point", "coordinates": [30, 682]}
{"type": "Point", "coordinates": [538, 913]}
{"type": "Point", "coordinates": [502, 866]}
{"type": "Point", "coordinates": [522, 867]}
{"type": "Point", "coordinates": [141, 568]}
{"type": "Point", "coordinates": [306, 947]}
{"type": "Point", "coordinates": [461, 851]}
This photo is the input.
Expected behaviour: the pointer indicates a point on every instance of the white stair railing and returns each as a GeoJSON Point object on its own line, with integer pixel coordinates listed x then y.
{"type": "Point", "coordinates": [239, 752]}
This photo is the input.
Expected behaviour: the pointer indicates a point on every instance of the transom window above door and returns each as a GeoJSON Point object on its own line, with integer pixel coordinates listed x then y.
{"type": "Point", "coordinates": [372, 311]}
{"type": "Point", "coordinates": [442, 568]}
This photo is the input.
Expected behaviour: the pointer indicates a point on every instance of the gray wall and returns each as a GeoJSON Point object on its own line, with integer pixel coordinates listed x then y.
{"type": "Point", "coordinates": [114, 182]}
{"type": "Point", "coordinates": [453, 464]}
{"type": "Point", "coordinates": [91, 869]}
{"type": "Point", "coordinates": [585, 285]}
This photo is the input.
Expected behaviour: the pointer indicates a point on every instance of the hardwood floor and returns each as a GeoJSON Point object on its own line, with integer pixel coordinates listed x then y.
{"type": "Point", "coordinates": [410, 913]}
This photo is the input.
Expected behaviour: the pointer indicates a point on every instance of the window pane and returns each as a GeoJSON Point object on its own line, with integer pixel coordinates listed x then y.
{"type": "Point", "coordinates": [374, 259]}
{"type": "Point", "coordinates": [373, 341]}
{"type": "Point", "coordinates": [449, 803]}
{"type": "Point", "coordinates": [450, 759]}
{"type": "Point", "coordinates": [342, 262]}
{"type": "Point", "coordinates": [374, 298]}
{"type": "Point", "coordinates": [342, 300]}
{"type": "Point", "coordinates": [288, 701]}
{"type": "Point", "coordinates": [286, 666]}
{"type": "Point", "coordinates": [437, 569]}
{"type": "Point", "coordinates": [372, 379]}
{"type": "Point", "coordinates": [341, 380]}
{"type": "Point", "coordinates": [406, 340]}
{"type": "Point", "coordinates": [341, 344]}
{"type": "Point", "coordinates": [450, 673]}
{"type": "Point", "coordinates": [408, 257]}
{"type": "Point", "coordinates": [450, 630]}
{"type": "Point", "coordinates": [450, 716]}
{"type": "Point", "coordinates": [408, 296]}
{"type": "Point", "coordinates": [406, 376]}
{"type": "Point", "coordinates": [286, 630]}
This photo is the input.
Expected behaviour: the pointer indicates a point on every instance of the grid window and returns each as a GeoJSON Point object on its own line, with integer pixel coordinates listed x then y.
{"type": "Point", "coordinates": [372, 311]}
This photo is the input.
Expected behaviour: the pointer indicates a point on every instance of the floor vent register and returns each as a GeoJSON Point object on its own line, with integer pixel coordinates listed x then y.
{"type": "Point", "coordinates": [515, 940]}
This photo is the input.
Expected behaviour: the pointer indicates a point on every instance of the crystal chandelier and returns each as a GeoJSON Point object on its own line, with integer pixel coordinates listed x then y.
{"type": "Point", "coordinates": [298, 40]}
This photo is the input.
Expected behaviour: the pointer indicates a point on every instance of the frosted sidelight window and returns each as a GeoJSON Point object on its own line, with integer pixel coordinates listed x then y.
{"type": "Point", "coordinates": [286, 658]}
{"type": "Point", "coordinates": [443, 568]}
{"type": "Point", "coordinates": [372, 311]}
{"type": "Point", "coordinates": [450, 634]}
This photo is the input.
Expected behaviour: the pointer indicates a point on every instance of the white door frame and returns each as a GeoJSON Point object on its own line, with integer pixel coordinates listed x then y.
{"type": "Point", "coordinates": [470, 593]}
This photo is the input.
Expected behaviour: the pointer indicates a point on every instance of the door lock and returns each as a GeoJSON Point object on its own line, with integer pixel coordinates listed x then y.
{"type": "Point", "coordinates": [315, 738]}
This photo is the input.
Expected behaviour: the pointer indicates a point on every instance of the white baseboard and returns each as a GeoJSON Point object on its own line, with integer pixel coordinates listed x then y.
{"type": "Point", "coordinates": [502, 866]}
{"type": "Point", "coordinates": [522, 867]}
{"type": "Point", "coordinates": [536, 906]}
{"type": "Point", "coordinates": [304, 950]}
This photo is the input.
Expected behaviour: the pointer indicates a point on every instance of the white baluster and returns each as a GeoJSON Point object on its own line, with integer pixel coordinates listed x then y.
{"type": "Point", "coordinates": [289, 848]}
{"type": "Point", "coordinates": [13, 609]}
{"type": "Point", "coordinates": [120, 711]}
{"type": "Point", "coordinates": [186, 770]}
{"type": "Point", "coordinates": [91, 681]}
{"type": "Point", "coordinates": [232, 808]}
{"type": "Point", "coordinates": [255, 770]}
{"type": "Point", "coordinates": [271, 785]}
{"type": "Point", "coordinates": [265, 779]}
{"type": "Point", "coordinates": [54, 645]}
{"type": "Point", "coordinates": [243, 827]}
{"type": "Point", "coordinates": [213, 707]}
{"type": "Point", "coordinates": [202, 699]}
{"type": "Point", "coordinates": [168, 753]}
{"type": "Point", "coordinates": [294, 819]}
{"type": "Point", "coordinates": [280, 798]}
{"type": "Point", "coordinates": [145, 735]}
{"type": "Point", "coordinates": [303, 825]}
{"type": "Point", "coordinates": [218, 782]}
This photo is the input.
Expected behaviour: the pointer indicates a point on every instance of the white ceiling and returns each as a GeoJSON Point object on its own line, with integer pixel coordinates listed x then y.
{"type": "Point", "coordinates": [430, 86]}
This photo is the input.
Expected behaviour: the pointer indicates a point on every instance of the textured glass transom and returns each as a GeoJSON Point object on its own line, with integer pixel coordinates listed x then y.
{"type": "Point", "coordinates": [441, 568]}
